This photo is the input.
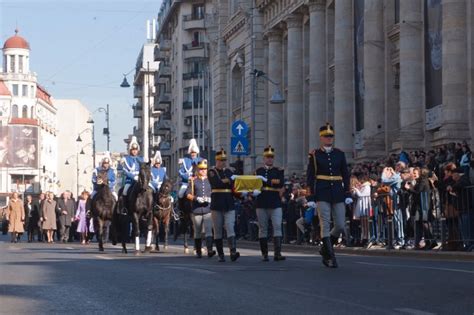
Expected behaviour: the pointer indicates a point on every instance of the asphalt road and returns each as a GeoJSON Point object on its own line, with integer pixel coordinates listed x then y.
{"type": "Point", "coordinates": [70, 278]}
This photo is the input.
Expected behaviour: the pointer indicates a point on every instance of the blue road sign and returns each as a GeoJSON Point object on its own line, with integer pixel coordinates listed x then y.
{"type": "Point", "coordinates": [239, 128]}
{"type": "Point", "coordinates": [239, 146]}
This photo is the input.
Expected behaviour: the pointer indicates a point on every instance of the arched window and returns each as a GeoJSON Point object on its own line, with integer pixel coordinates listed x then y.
{"type": "Point", "coordinates": [15, 111]}
{"type": "Point", "coordinates": [32, 115]}
{"type": "Point", "coordinates": [24, 112]}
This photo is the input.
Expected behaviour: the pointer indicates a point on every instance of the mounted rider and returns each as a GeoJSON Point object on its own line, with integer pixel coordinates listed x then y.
{"type": "Point", "coordinates": [188, 165]}
{"type": "Point", "coordinates": [158, 172]}
{"type": "Point", "coordinates": [131, 165]}
{"type": "Point", "coordinates": [104, 166]}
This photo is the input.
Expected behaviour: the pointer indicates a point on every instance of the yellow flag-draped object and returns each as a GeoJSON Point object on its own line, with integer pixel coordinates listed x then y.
{"type": "Point", "coordinates": [247, 183]}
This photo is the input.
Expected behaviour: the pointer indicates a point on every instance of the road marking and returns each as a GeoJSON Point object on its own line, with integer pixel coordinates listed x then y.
{"type": "Point", "coordinates": [203, 271]}
{"type": "Point", "coordinates": [416, 267]}
{"type": "Point", "coordinates": [413, 311]}
{"type": "Point", "coordinates": [104, 257]}
{"type": "Point", "coordinates": [70, 248]}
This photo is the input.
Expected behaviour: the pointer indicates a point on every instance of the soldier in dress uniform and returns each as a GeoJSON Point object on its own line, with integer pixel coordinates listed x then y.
{"type": "Point", "coordinates": [158, 173]}
{"type": "Point", "coordinates": [104, 166]}
{"type": "Point", "coordinates": [131, 166]}
{"type": "Point", "coordinates": [199, 193]}
{"type": "Point", "coordinates": [328, 179]}
{"type": "Point", "coordinates": [269, 204]}
{"type": "Point", "coordinates": [222, 205]}
{"type": "Point", "coordinates": [186, 169]}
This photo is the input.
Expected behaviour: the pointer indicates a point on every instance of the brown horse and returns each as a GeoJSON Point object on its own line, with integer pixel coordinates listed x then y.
{"type": "Point", "coordinates": [162, 212]}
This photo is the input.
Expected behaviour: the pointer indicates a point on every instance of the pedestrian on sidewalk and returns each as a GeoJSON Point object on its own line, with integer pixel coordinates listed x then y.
{"type": "Point", "coordinates": [65, 210]}
{"type": "Point", "coordinates": [16, 217]}
{"type": "Point", "coordinates": [31, 218]}
{"type": "Point", "coordinates": [48, 218]}
{"type": "Point", "coordinates": [81, 216]}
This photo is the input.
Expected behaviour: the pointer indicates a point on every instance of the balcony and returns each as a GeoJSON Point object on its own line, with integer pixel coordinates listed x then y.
{"type": "Point", "coordinates": [165, 116]}
{"type": "Point", "coordinates": [189, 104]}
{"type": "Point", "coordinates": [196, 50]}
{"type": "Point", "coordinates": [165, 44]}
{"type": "Point", "coordinates": [194, 21]}
{"type": "Point", "coordinates": [137, 91]}
{"type": "Point", "coordinates": [165, 98]}
{"type": "Point", "coordinates": [137, 111]}
{"type": "Point", "coordinates": [164, 70]}
{"type": "Point", "coordinates": [191, 75]}
{"type": "Point", "coordinates": [161, 107]}
{"type": "Point", "coordinates": [160, 55]}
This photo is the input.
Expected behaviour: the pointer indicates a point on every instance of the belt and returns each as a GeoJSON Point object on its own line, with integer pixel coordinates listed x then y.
{"type": "Point", "coordinates": [271, 189]}
{"type": "Point", "coordinates": [326, 177]}
{"type": "Point", "coordinates": [221, 190]}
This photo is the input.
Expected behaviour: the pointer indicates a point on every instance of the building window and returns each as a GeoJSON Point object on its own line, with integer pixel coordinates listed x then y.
{"type": "Point", "coordinates": [397, 11]}
{"type": "Point", "coordinates": [236, 88]}
{"type": "Point", "coordinates": [198, 12]}
{"type": "Point", "coordinates": [5, 64]}
{"type": "Point", "coordinates": [24, 112]}
{"type": "Point", "coordinates": [196, 39]}
{"type": "Point", "coordinates": [12, 63]}
{"type": "Point", "coordinates": [25, 90]}
{"type": "Point", "coordinates": [32, 114]}
{"type": "Point", "coordinates": [32, 93]}
{"type": "Point", "coordinates": [15, 111]}
{"type": "Point", "coordinates": [20, 64]}
{"type": "Point", "coordinates": [15, 89]}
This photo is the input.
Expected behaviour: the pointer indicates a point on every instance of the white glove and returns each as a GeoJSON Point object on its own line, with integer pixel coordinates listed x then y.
{"type": "Point", "coordinates": [135, 178]}
{"type": "Point", "coordinates": [256, 193]}
{"type": "Point", "coordinates": [244, 194]}
{"type": "Point", "coordinates": [200, 199]}
{"type": "Point", "coordinates": [208, 199]}
{"type": "Point", "coordinates": [172, 199]}
{"type": "Point", "coordinates": [348, 201]}
{"type": "Point", "coordinates": [233, 177]}
{"type": "Point", "coordinates": [311, 204]}
{"type": "Point", "coordinates": [262, 178]}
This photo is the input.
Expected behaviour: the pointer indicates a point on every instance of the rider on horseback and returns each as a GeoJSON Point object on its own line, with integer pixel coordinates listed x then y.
{"type": "Point", "coordinates": [131, 166]}
{"type": "Point", "coordinates": [187, 168]}
{"type": "Point", "coordinates": [104, 166]}
{"type": "Point", "coordinates": [158, 173]}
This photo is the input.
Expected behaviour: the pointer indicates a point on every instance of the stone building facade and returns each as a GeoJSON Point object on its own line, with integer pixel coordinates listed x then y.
{"type": "Point", "coordinates": [390, 75]}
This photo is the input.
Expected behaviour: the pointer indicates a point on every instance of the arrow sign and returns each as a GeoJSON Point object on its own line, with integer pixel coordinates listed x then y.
{"type": "Point", "coordinates": [239, 146]}
{"type": "Point", "coordinates": [239, 128]}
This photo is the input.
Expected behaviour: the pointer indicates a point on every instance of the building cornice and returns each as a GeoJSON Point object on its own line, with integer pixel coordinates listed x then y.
{"type": "Point", "coordinates": [236, 23]}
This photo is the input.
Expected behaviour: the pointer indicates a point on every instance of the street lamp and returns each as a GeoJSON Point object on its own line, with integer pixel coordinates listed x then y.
{"type": "Point", "coordinates": [124, 83]}
{"type": "Point", "coordinates": [106, 130]}
{"type": "Point", "coordinates": [91, 121]}
{"type": "Point", "coordinates": [276, 98]}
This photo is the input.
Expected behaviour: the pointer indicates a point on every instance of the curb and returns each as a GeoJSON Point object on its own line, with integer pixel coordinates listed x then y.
{"type": "Point", "coordinates": [434, 254]}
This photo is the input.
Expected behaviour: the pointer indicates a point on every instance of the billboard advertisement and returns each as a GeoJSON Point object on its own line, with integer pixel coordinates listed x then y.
{"type": "Point", "coordinates": [19, 146]}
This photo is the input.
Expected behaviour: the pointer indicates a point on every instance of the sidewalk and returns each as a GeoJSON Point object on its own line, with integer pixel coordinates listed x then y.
{"type": "Point", "coordinates": [309, 249]}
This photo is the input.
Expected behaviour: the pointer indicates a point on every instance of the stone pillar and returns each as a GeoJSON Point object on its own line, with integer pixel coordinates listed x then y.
{"type": "Point", "coordinates": [374, 66]}
{"type": "Point", "coordinates": [275, 111]}
{"type": "Point", "coordinates": [294, 148]}
{"type": "Point", "coordinates": [317, 71]}
{"type": "Point", "coordinates": [344, 76]}
{"type": "Point", "coordinates": [454, 33]}
{"type": "Point", "coordinates": [412, 89]}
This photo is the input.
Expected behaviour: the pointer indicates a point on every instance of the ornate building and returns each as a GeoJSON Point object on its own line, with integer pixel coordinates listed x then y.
{"type": "Point", "coordinates": [390, 75]}
{"type": "Point", "coordinates": [28, 125]}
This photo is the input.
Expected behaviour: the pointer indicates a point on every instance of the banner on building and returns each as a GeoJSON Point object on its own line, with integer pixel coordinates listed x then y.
{"type": "Point", "coordinates": [19, 146]}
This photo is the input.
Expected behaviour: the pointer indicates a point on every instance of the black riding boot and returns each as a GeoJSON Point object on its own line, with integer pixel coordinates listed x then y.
{"type": "Point", "coordinates": [277, 249]}
{"type": "Point", "coordinates": [329, 259]}
{"type": "Point", "coordinates": [264, 248]}
{"type": "Point", "coordinates": [210, 251]}
{"type": "Point", "coordinates": [234, 254]}
{"type": "Point", "coordinates": [220, 249]}
{"type": "Point", "coordinates": [198, 246]}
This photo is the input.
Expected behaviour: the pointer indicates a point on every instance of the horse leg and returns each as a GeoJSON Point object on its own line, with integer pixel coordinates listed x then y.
{"type": "Point", "coordinates": [166, 224]}
{"type": "Point", "coordinates": [136, 229]}
{"type": "Point", "coordinates": [100, 234]}
{"type": "Point", "coordinates": [149, 234]}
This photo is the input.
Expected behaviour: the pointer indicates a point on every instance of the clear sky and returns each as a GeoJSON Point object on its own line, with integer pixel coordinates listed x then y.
{"type": "Point", "coordinates": [81, 48]}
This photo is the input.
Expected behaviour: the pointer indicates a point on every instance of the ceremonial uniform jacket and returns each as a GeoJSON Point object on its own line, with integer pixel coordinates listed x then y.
{"type": "Point", "coordinates": [199, 187]}
{"type": "Point", "coordinates": [158, 176]}
{"type": "Point", "coordinates": [270, 196]}
{"type": "Point", "coordinates": [110, 176]}
{"type": "Point", "coordinates": [221, 184]}
{"type": "Point", "coordinates": [187, 168]}
{"type": "Point", "coordinates": [328, 176]}
{"type": "Point", "coordinates": [131, 167]}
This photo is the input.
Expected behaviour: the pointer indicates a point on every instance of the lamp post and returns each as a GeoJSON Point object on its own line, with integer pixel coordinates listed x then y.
{"type": "Point", "coordinates": [91, 121]}
{"type": "Point", "coordinates": [106, 130]}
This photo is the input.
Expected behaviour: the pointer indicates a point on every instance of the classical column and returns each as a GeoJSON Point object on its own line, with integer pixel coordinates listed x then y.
{"type": "Point", "coordinates": [454, 33]}
{"type": "Point", "coordinates": [317, 70]}
{"type": "Point", "coordinates": [275, 111]}
{"type": "Point", "coordinates": [294, 113]}
{"type": "Point", "coordinates": [374, 66]}
{"type": "Point", "coordinates": [344, 76]}
{"type": "Point", "coordinates": [411, 75]}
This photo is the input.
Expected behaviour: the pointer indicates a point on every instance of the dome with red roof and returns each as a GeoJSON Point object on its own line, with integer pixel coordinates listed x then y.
{"type": "Point", "coordinates": [16, 42]}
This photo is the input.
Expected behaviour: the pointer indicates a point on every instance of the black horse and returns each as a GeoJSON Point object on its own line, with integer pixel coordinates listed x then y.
{"type": "Point", "coordinates": [102, 205]}
{"type": "Point", "coordinates": [162, 212]}
{"type": "Point", "coordinates": [140, 205]}
{"type": "Point", "coordinates": [184, 225]}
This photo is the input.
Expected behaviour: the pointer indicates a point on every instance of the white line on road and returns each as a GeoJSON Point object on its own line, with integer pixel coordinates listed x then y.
{"type": "Point", "coordinates": [203, 271]}
{"type": "Point", "coordinates": [104, 257]}
{"type": "Point", "coordinates": [70, 248]}
{"type": "Point", "coordinates": [413, 311]}
{"type": "Point", "coordinates": [416, 267]}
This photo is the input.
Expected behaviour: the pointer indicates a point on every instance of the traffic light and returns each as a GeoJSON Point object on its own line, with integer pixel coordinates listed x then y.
{"type": "Point", "coordinates": [44, 169]}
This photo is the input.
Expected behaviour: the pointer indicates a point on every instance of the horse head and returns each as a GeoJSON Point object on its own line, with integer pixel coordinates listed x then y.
{"type": "Point", "coordinates": [144, 176]}
{"type": "Point", "coordinates": [165, 189]}
{"type": "Point", "coordinates": [103, 178]}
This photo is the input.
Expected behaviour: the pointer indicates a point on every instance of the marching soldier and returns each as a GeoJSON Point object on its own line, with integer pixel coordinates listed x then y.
{"type": "Point", "coordinates": [199, 192]}
{"type": "Point", "coordinates": [104, 166]}
{"type": "Point", "coordinates": [328, 179]}
{"type": "Point", "coordinates": [186, 170]}
{"type": "Point", "coordinates": [222, 206]}
{"type": "Point", "coordinates": [269, 204]}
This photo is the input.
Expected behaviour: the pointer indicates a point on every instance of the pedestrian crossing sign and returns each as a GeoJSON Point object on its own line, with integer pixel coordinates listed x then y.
{"type": "Point", "coordinates": [239, 146]}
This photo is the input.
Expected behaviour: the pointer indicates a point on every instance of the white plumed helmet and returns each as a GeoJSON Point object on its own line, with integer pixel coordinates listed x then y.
{"type": "Point", "coordinates": [157, 158]}
{"type": "Point", "coordinates": [193, 147]}
{"type": "Point", "coordinates": [133, 144]}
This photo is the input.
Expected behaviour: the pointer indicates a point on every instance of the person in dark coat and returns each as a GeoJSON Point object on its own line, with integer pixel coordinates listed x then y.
{"type": "Point", "coordinates": [66, 208]}
{"type": "Point", "coordinates": [222, 205]}
{"type": "Point", "coordinates": [31, 218]}
{"type": "Point", "coordinates": [329, 181]}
